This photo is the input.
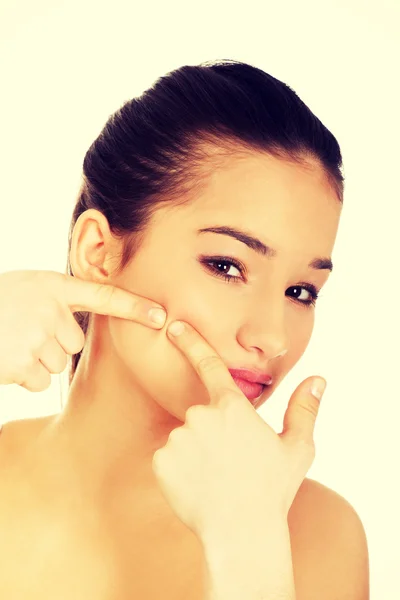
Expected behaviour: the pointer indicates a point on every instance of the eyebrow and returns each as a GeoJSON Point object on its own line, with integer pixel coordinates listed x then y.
{"type": "Point", "coordinates": [259, 247]}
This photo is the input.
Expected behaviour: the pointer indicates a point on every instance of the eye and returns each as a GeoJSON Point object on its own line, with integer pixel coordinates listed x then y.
{"type": "Point", "coordinates": [216, 265]}
{"type": "Point", "coordinates": [310, 289]}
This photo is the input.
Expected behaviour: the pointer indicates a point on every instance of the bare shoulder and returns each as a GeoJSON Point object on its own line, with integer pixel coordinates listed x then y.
{"type": "Point", "coordinates": [16, 437]}
{"type": "Point", "coordinates": [329, 545]}
{"type": "Point", "coordinates": [319, 504]}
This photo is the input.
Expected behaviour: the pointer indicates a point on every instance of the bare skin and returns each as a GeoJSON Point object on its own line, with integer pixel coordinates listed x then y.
{"type": "Point", "coordinates": [79, 505]}
{"type": "Point", "coordinates": [75, 545]}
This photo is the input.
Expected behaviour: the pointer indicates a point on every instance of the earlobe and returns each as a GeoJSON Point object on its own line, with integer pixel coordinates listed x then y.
{"type": "Point", "coordinates": [91, 243]}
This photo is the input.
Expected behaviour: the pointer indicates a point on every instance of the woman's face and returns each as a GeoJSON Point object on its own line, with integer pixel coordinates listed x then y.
{"type": "Point", "coordinates": [262, 311]}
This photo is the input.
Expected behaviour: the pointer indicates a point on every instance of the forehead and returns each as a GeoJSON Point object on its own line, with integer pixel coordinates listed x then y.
{"type": "Point", "coordinates": [271, 197]}
{"type": "Point", "coordinates": [265, 182]}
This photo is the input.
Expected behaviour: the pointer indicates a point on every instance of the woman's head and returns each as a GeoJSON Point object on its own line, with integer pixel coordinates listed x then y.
{"type": "Point", "coordinates": [221, 144]}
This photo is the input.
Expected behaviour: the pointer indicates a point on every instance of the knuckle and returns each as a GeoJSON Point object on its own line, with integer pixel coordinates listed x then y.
{"type": "Point", "coordinates": [311, 409]}
{"type": "Point", "coordinates": [157, 460]}
{"type": "Point", "coordinates": [77, 350]}
{"type": "Point", "coordinates": [45, 305]}
{"type": "Point", "coordinates": [207, 364]}
{"type": "Point", "coordinates": [229, 393]}
{"type": "Point", "coordinates": [38, 337]}
{"type": "Point", "coordinates": [106, 293]}
{"type": "Point", "coordinates": [77, 338]}
{"type": "Point", "coordinates": [69, 332]}
{"type": "Point", "coordinates": [176, 434]}
{"type": "Point", "coordinates": [137, 303]}
{"type": "Point", "coordinates": [225, 397]}
{"type": "Point", "coordinates": [195, 411]}
{"type": "Point", "coordinates": [27, 361]}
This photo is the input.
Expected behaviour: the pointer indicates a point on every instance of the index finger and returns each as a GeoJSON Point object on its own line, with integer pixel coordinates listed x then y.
{"type": "Point", "coordinates": [105, 299]}
{"type": "Point", "coordinates": [206, 361]}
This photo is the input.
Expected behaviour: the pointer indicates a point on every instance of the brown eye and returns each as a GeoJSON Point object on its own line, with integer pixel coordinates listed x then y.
{"type": "Point", "coordinates": [216, 265]}
{"type": "Point", "coordinates": [311, 289]}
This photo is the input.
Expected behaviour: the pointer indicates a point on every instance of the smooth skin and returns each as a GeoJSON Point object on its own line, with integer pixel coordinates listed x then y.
{"type": "Point", "coordinates": [38, 330]}
{"type": "Point", "coordinates": [87, 473]}
{"type": "Point", "coordinates": [199, 468]}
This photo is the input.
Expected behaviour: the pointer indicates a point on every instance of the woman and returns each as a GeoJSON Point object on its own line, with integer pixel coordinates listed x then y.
{"type": "Point", "coordinates": [219, 174]}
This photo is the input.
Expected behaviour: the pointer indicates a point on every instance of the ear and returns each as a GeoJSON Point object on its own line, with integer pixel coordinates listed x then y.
{"type": "Point", "coordinates": [92, 247]}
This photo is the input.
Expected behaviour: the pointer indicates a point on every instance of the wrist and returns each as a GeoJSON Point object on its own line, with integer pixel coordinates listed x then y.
{"type": "Point", "coordinates": [251, 562]}
{"type": "Point", "coordinates": [236, 533]}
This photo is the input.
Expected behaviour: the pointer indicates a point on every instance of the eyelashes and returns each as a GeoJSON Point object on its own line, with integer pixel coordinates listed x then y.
{"type": "Point", "coordinates": [211, 263]}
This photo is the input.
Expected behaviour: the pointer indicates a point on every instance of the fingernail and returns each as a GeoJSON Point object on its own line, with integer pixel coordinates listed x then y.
{"type": "Point", "coordinates": [318, 388]}
{"type": "Point", "coordinates": [176, 328]}
{"type": "Point", "coordinates": [157, 315]}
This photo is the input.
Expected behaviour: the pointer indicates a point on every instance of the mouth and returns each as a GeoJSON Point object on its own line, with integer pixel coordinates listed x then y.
{"type": "Point", "coordinates": [252, 391]}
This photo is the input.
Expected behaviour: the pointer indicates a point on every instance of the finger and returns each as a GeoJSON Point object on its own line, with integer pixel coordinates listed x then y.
{"type": "Point", "coordinates": [37, 378]}
{"type": "Point", "coordinates": [109, 300]}
{"type": "Point", "coordinates": [206, 362]}
{"type": "Point", "coordinates": [301, 413]}
{"type": "Point", "coordinates": [69, 334]}
{"type": "Point", "coordinates": [53, 357]}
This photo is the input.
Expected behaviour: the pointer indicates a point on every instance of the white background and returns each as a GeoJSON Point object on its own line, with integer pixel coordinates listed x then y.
{"type": "Point", "coordinates": [66, 66]}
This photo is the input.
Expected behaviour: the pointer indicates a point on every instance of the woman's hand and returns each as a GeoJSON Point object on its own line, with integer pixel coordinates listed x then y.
{"type": "Point", "coordinates": [37, 326]}
{"type": "Point", "coordinates": [226, 469]}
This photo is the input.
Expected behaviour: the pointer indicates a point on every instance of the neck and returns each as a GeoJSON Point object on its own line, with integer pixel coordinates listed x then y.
{"type": "Point", "coordinates": [109, 429]}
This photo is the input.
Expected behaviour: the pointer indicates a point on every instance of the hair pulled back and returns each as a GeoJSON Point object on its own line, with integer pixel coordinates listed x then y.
{"type": "Point", "coordinates": [162, 146]}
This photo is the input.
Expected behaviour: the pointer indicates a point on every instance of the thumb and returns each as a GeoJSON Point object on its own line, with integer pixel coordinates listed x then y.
{"type": "Point", "coordinates": [302, 411]}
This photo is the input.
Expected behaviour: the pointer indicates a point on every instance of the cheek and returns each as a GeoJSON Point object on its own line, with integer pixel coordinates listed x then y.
{"type": "Point", "coordinates": [183, 300]}
{"type": "Point", "coordinates": [153, 362]}
{"type": "Point", "coordinates": [298, 342]}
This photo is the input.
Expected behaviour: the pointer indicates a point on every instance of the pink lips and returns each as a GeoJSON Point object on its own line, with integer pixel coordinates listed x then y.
{"type": "Point", "coordinates": [252, 384]}
{"type": "Point", "coordinates": [252, 376]}
{"type": "Point", "coordinates": [250, 390]}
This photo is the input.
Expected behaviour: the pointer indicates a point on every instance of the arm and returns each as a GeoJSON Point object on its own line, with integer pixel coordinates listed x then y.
{"type": "Point", "coordinates": [252, 565]}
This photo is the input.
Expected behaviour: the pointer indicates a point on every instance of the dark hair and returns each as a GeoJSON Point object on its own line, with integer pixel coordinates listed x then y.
{"type": "Point", "coordinates": [162, 147]}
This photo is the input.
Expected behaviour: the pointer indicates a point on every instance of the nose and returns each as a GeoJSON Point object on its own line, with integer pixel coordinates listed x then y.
{"type": "Point", "coordinates": [265, 330]}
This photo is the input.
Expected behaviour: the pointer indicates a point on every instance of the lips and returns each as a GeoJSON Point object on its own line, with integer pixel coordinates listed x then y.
{"type": "Point", "coordinates": [252, 383]}
{"type": "Point", "coordinates": [252, 376]}
{"type": "Point", "coordinates": [251, 390]}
